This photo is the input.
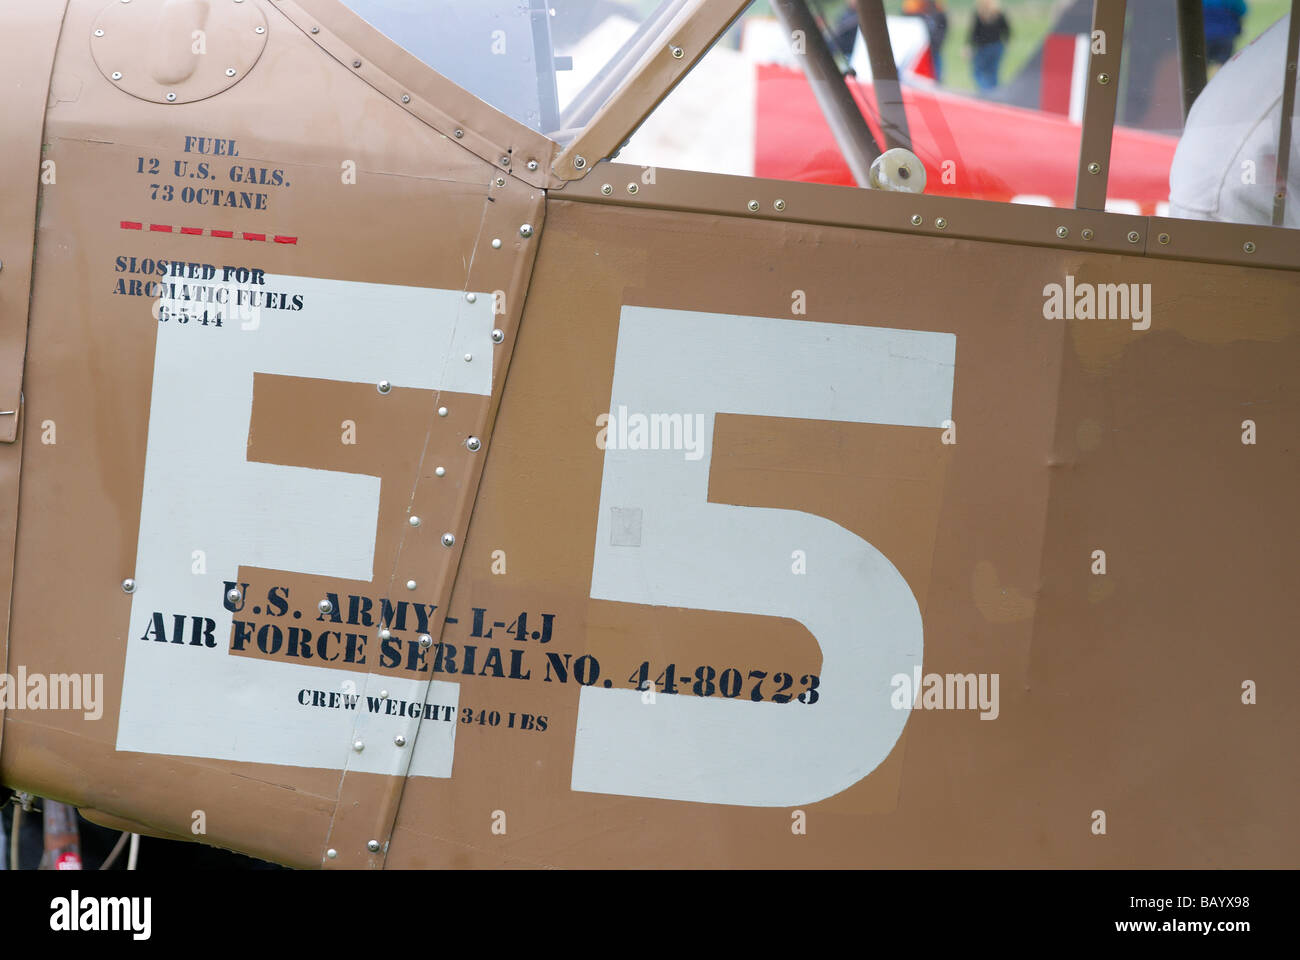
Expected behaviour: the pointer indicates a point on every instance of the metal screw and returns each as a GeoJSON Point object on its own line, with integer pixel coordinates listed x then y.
{"type": "Point", "coordinates": [498, 335]}
{"type": "Point", "coordinates": [441, 471]}
{"type": "Point", "coordinates": [473, 443]}
{"type": "Point", "coordinates": [459, 133]}
{"type": "Point", "coordinates": [399, 740]}
{"type": "Point", "coordinates": [1062, 232]}
{"type": "Point", "coordinates": [532, 164]}
{"type": "Point", "coordinates": [1094, 167]}
{"type": "Point", "coordinates": [469, 357]}
{"type": "Point", "coordinates": [171, 96]}
{"type": "Point", "coordinates": [916, 220]}
{"type": "Point", "coordinates": [426, 641]}
{"type": "Point", "coordinates": [234, 596]}
{"type": "Point", "coordinates": [331, 853]}
{"type": "Point", "coordinates": [1086, 233]}
{"type": "Point", "coordinates": [383, 694]}
{"type": "Point", "coordinates": [406, 98]}
{"type": "Point", "coordinates": [99, 33]}
{"type": "Point", "coordinates": [471, 297]}
{"type": "Point", "coordinates": [358, 745]}
{"type": "Point", "coordinates": [325, 607]}
{"type": "Point", "coordinates": [753, 206]}
{"type": "Point", "coordinates": [505, 161]}
{"type": "Point", "coordinates": [259, 29]}
{"type": "Point", "coordinates": [315, 29]}
{"type": "Point", "coordinates": [1103, 78]}
{"type": "Point", "coordinates": [117, 75]}
{"type": "Point", "coordinates": [632, 188]}
{"type": "Point", "coordinates": [526, 230]}
{"type": "Point", "coordinates": [606, 189]}
{"type": "Point", "coordinates": [384, 386]}
{"type": "Point", "coordinates": [500, 181]}
{"type": "Point", "coordinates": [442, 411]}
{"type": "Point", "coordinates": [373, 846]}
{"type": "Point", "coordinates": [410, 584]}
{"type": "Point", "coordinates": [128, 585]}
{"type": "Point", "coordinates": [414, 521]}
{"type": "Point", "coordinates": [941, 223]}
{"type": "Point", "coordinates": [579, 162]}
{"type": "Point", "coordinates": [1248, 246]}
{"type": "Point", "coordinates": [779, 204]}
{"type": "Point", "coordinates": [448, 540]}
{"type": "Point", "coordinates": [677, 52]}
{"type": "Point", "coordinates": [1163, 238]}
{"type": "Point", "coordinates": [496, 243]}
{"type": "Point", "coordinates": [357, 64]}
{"type": "Point", "coordinates": [1134, 236]}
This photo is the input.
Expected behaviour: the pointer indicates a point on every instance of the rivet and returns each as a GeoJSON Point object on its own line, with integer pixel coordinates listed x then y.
{"type": "Point", "coordinates": [779, 204]}
{"type": "Point", "coordinates": [441, 471]}
{"type": "Point", "coordinates": [526, 230]}
{"type": "Point", "coordinates": [230, 71]}
{"type": "Point", "coordinates": [99, 33]}
{"type": "Point", "coordinates": [259, 29]}
{"type": "Point", "coordinates": [383, 386]}
{"type": "Point", "coordinates": [579, 162]}
{"type": "Point", "coordinates": [471, 297]}
{"type": "Point", "coordinates": [459, 133]}
{"type": "Point", "coordinates": [414, 521]}
{"type": "Point", "coordinates": [1163, 238]}
{"type": "Point", "coordinates": [128, 585]}
{"type": "Point", "coordinates": [325, 607]}
{"type": "Point", "coordinates": [1062, 232]}
{"type": "Point", "coordinates": [469, 357]}
{"type": "Point", "coordinates": [171, 96]}
{"type": "Point", "coordinates": [383, 694]}
{"type": "Point", "coordinates": [1086, 233]}
{"type": "Point", "coordinates": [399, 740]}
{"type": "Point", "coordinates": [498, 336]}
{"type": "Point", "coordinates": [358, 745]}
{"type": "Point", "coordinates": [496, 243]}
{"type": "Point", "coordinates": [234, 596]}
{"type": "Point", "coordinates": [406, 98]}
{"type": "Point", "coordinates": [505, 161]}
{"type": "Point", "coordinates": [117, 75]}
{"type": "Point", "coordinates": [442, 411]}
{"type": "Point", "coordinates": [426, 641]}
{"type": "Point", "coordinates": [500, 181]}
{"type": "Point", "coordinates": [373, 846]}
{"type": "Point", "coordinates": [448, 539]}
{"type": "Point", "coordinates": [753, 206]}
{"type": "Point", "coordinates": [606, 189]}
{"type": "Point", "coordinates": [473, 443]}
{"type": "Point", "coordinates": [916, 220]}
{"type": "Point", "coordinates": [1134, 236]}
{"type": "Point", "coordinates": [331, 853]}
{"type": "Point", "coordinates": [532, 164]}
{"type": "Point", "coordinates": [1248, 246]}
{"type": "Point", "coordinates": [677, 52]}
{"type": "Point", "coordinates": [410, 584]}
{"type": "Point", "coordinates": [356, 64]}
{"type": "Point", "coordinates": [1103, 78]}
{"type": "Point", "coordinates": [315, 29]}
{"type": "Point", "coordinates": [632, 188]}
{"type": "Point", "coordinates": [385, 634]}
{"type": "Point", "coordinates": [941, 223]}
{"type": "Point", "coordinates": [1094, 167]}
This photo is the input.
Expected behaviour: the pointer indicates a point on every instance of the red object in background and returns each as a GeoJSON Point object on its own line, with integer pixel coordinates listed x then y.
{"type": "Point", "coordinates": [997, 152]}
{"type": "Point", "coordinates": [1058, 73]}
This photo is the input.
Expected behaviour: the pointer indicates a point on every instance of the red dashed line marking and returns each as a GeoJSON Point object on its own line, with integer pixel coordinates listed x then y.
{"type": "Point", "coordinates": [200, 231]}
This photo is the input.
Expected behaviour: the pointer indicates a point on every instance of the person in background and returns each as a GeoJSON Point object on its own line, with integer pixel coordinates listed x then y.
{"type": "Point", "coordinates": [1222, 27]}
{"type": "Point", "coordinates": [936, 24]}
{"type": "Point", "coordinates": [846, 29]}
{"type": "Point", "coordinates": [989, 32]}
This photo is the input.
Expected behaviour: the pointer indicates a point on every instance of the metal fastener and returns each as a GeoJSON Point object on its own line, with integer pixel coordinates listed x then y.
{"type": "Point", "coordinates": [677, 52]}
{"type": "Point", "coordinates": [385, 634]}
{"type": "Point", "coordinates": [315, 29]}
{"type": "Point", "coordinates": [426, 641]}
{"type": "Point", "coordinates": [916, 220]}
{"type": "Point", "coordinates": [1086, 233]}
{"type": "Point", "coordinates": [171, 96]}
{"type": "Point", "coordinates": [526, 230]}
{"type": "Point", "coordinates": [117, 75]}
{"type": "Point", "coordinates": [441, 471]}
{"type": "Point", "coordinates": [505, 161]}
{"type": "Point", "coordinates": [579, 162]}
{"type": "Point", "coordinates": [498, 335]}
{"type": "Point", "coordinates": [383, 386]}
{"type": "Point", "coordinates": [779, 204]}
{"type": "Point", "coordinates": [500, 181]}
{"type": "Point", "coordinates": [259, 30]}
{"type": "Point", "coordinates": [469, 357]}
{"type": "Point", "coordinates": [1103, 78]}
{"type": "Point", "coordinates": [1248, 246]}
{"type": "Point", "coordinates": [325, 607]}
{"type": "Point", "coordinates": [471, 297]}
{"type": "Point", "coordinates": [234, 596]}
{"type": "Point", "coordinates": [358, 745]}
{"type": "Point", "coordinates": [753, 206]}
{"type": "Point", "coordinates": [632, 188]}
{"type": "Point", "coordinates": [406, 98]}
{"type": "Point", "coordinates": [448, 539]}
{"type": "Point", "coordinates": [606, 189]}
{"type": "Point", "coordinates": [1094, 167]}
{"type": "Point", "coordinates": [331, 853]}
{"type": "Point", "coordinates": [410, 584]}
{"type": "Point", "coordinates": [1134, 236]}
{"type": "Point", "coordinates": [442, 411]}
{"type": "Point", "coordinates": [459, 133]}
{"type": "Point", "coordinates": [1062, 232]}
{"type": "Point", "coordinates": [356, 64]}
{"type": "Point", "coordinates": [230, 71]}
{"type": "Point", "coordinates": [496, 243]}
{"type": "Point", "coordinates": [128, 585]}
{"type": "Point", "coordinates": [473, 443]}
{"type": "Point", "coordinates": [99, 33]}
{"type": "Point", "coordinates": [531, 164]}
{"type": "Point", "coordinates": [414, 521]}
{"type": "Point", "coordinates": [1163, 238]}
{"type": "Point", "coordinates": [941, 223]}
{"type": "Point", "coordinates": [399, 740]}
{"type": "Point", "coordinates": [373, 846]}
{"type": "Point", "coordinates": [383, 694]}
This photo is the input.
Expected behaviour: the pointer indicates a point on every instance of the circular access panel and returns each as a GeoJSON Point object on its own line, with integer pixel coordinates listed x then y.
{"type": "Point", "coordinates": [177, 51]}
